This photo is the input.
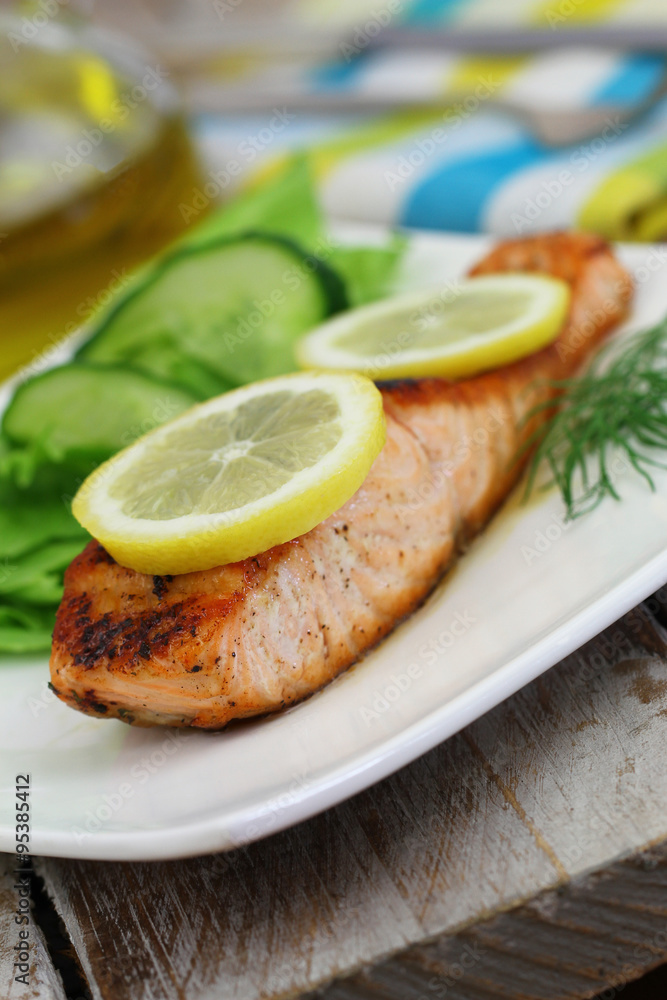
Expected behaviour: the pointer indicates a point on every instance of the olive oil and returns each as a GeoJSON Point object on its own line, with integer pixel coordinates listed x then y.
{"type": "Point", "coordinates": [95, 166]}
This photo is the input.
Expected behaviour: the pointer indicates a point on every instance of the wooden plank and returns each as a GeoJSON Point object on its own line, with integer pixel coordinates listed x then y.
{"type": "Point", "coordinates": [598, 933]}
{"type": "Point", "coordinates": [44, 983]}
{"type": "Point", "coordinates": [565, 777]}
{"type": "Point", "coordinates": [600, 719]}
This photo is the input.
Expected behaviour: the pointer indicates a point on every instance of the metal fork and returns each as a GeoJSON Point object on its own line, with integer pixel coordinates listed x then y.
{"type": "Point", "coordinates": [553, 128]}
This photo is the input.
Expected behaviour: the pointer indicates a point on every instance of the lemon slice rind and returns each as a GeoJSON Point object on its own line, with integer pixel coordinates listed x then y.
{"type": "Point", "coordinates": [199, 541]}
{"type": "Point", "coordinates": [458, 356]}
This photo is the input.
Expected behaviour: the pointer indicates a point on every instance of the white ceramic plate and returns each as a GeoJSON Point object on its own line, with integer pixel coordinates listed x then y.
{"type": "Point", "coordinates": [527, 593]}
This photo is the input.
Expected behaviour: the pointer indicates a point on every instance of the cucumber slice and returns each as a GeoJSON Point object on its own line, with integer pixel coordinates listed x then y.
{"type": "Point", "coordinates": [89, 410]}
{"type": "Point", "coordinates": [230, 309]}
{"type": "Point", "coordinates": [162, 359]}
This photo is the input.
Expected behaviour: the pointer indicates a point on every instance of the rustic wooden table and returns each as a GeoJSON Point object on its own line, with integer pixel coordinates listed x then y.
{"type": "Point", "coordinates": [524, 858]}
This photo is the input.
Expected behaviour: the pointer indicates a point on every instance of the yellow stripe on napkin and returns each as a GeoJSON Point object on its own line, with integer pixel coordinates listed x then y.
{"type": "Point", "coordinates": [473, 70]}
{"type": "Point", "coordinates": [631, 204]}
{"type": "Point", "coordinates": [557, 13]}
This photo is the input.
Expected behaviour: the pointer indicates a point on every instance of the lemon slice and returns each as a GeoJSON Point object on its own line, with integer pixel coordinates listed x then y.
{"type": "Point", "coordinates": [235, 475]}
{"type": "Point", "coordinates": [467, 327]}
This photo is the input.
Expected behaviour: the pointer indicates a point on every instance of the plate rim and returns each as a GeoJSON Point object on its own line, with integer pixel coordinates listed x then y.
{"type": "Point", "coordinates": [343, 779]}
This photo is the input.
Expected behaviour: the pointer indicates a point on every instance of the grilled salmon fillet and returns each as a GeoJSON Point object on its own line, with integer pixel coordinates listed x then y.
{"type": "Point", "coordinates": [249, 638]}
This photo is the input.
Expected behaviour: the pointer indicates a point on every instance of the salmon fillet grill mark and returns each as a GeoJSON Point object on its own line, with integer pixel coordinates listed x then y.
{"type": "Point", "coordinates": [250, 638]}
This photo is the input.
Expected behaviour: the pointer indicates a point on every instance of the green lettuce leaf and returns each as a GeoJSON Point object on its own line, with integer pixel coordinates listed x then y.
{"type": "Point", "coordinates": [368, 271]}
{"type": "Point", "coordinates": [24, 629]}
{"type": "Point", "coordinates": [37, 577]}
{"type": "Point", "coordinates": [287, 206]}
{"type": "Point", "coordinates": [29, 523]}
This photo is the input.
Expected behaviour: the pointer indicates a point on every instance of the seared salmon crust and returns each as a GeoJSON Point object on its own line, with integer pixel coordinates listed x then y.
{"type": "Point", "coordinates": [249, 638]}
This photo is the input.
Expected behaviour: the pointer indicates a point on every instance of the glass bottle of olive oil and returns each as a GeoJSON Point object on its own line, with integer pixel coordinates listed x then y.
{"type": "Point", "coordinates": [95, 166]}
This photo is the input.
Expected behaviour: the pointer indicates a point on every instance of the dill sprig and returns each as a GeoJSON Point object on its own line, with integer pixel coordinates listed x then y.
{"type": "Point", "coordinates": [618, 408]}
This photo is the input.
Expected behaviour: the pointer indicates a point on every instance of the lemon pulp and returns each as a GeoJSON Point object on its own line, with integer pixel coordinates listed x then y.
{"type": "Point", "coordinates": [227, 460]}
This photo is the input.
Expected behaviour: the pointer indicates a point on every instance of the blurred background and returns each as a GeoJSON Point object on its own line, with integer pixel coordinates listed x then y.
{"type": "Point", "coordinates": [124, 121]}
